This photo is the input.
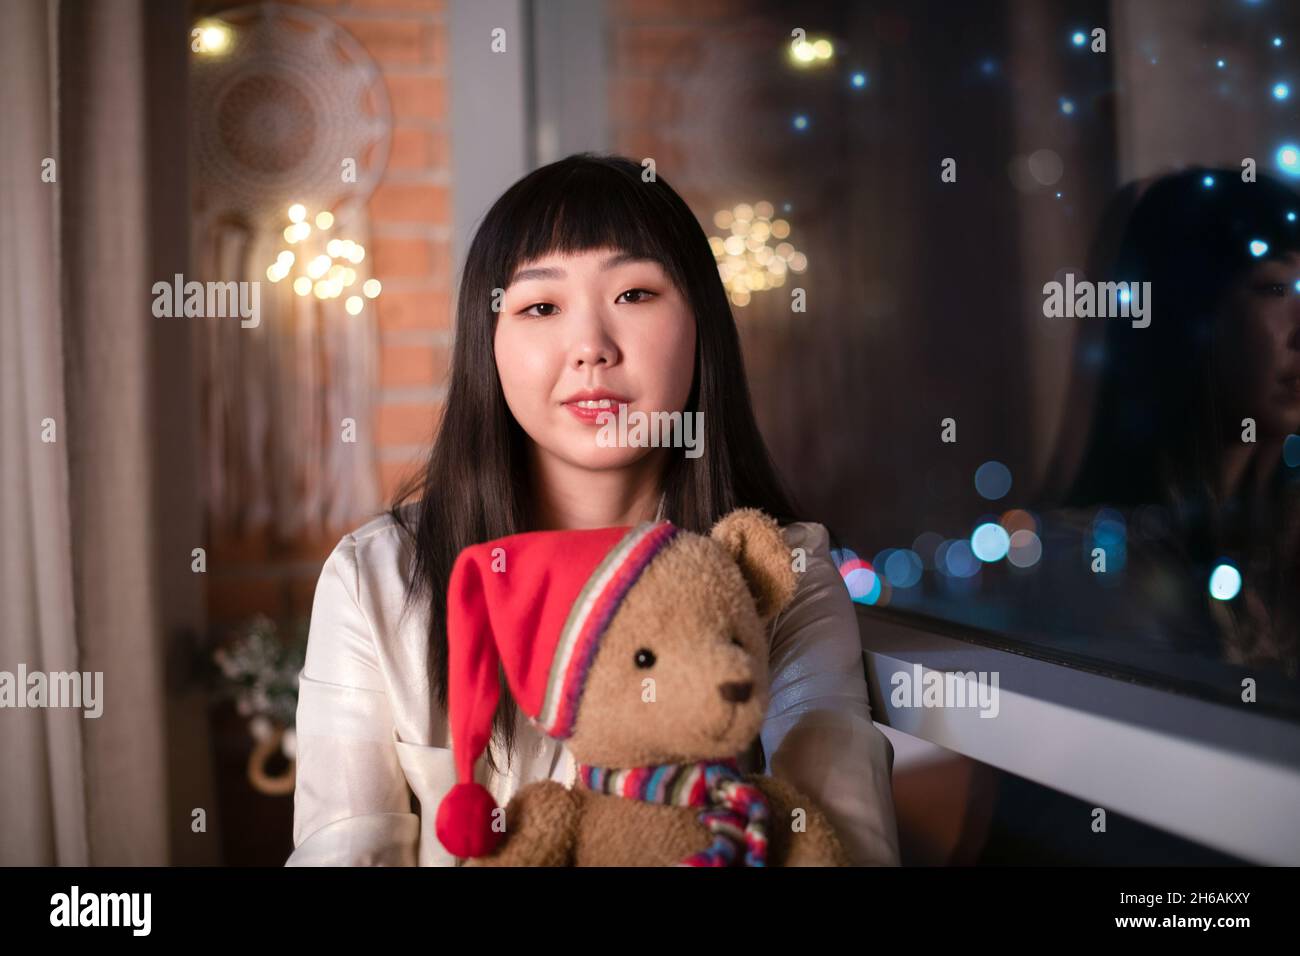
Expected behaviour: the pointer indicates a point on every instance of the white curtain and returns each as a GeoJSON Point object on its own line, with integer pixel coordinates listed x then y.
{"type": "Point", "coordinates": [97, 524]}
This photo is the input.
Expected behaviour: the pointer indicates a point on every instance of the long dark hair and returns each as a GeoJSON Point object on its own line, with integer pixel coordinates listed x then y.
{"type": "Point", "coordinates": [1160, 427]}
{"type": "Point", "coordinates": [475, 485]}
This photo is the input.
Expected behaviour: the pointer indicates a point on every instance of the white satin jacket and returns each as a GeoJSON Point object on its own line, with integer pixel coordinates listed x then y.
{"type": "Point", "coordinates": [371, 736]}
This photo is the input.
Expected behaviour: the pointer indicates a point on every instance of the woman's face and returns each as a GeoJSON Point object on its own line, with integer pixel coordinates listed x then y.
{"type": "Point", "coordinates": [579, 335]}
{"type": "Point", "coordinates": [1259, 358]}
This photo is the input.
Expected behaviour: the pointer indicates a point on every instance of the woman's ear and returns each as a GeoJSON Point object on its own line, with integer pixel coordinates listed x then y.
{"type": "Point", "coordinates": [754, 542]}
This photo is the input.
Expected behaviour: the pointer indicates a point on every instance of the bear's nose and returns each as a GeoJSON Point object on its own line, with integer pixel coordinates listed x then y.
{"type": "Point", "coordinates": [736, 691]}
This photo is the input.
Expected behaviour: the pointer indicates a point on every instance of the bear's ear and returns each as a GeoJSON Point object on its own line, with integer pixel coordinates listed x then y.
{"type": "Point", "coordinates": [754, 542]}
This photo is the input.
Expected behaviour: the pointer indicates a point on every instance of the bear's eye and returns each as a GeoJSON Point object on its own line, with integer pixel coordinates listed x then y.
{"type": "Point", "coordinates": [645, 658]}
{"type": "Point", "coordinates": [737, 641]}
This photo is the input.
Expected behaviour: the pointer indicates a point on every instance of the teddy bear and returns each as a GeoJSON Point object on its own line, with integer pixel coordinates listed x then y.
{"type": "Point", "coordinates": [645, 651]}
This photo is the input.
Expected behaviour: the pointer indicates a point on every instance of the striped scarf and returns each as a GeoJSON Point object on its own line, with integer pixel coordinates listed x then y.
{"type": "Point", "coordinates": [735, 812]}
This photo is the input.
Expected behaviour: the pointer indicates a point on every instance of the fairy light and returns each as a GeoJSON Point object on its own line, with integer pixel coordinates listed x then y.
{"type": "Point", "coordinates": [211, 37]}
{"type": "Point", "coordinates": [323, 272]}
{"type": "Point", "coordinates": [747, 262]}
{"type": "Point", "coordinates": [811, 53]}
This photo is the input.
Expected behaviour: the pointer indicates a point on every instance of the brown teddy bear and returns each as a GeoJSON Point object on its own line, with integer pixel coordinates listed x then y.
{"type": "Point", "coordinates": [645, 650]}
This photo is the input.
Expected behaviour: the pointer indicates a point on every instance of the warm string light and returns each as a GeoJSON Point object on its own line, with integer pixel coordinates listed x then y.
{"type": "Point", "coordinates": [327, 273]}
{"type": "Point", "coordinates": [810, 53]}
{"type": "Point", "coordinates": [747, 263]}
{"type": "Point", "coordinates": [210, 37]}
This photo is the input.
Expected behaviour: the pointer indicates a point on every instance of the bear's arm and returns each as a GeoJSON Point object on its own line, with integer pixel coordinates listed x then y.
{"type": "Point", "coordinates": [541, 828]}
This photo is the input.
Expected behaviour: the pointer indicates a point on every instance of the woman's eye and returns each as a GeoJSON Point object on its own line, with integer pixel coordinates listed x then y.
{"type": "Point", "coordinates": [539, 305]}
{"type": "Point", "coordinates": [641, 295]}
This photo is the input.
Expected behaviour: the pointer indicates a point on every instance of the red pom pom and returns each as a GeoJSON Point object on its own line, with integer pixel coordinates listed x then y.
{"type": "Point", "coordinates": [464, 824]}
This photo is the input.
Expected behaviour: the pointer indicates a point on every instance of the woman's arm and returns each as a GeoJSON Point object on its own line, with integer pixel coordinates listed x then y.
{"type": "Point", "coordinates": [352, 806]}
{"type": "Point", "coordinates": [818, 734]}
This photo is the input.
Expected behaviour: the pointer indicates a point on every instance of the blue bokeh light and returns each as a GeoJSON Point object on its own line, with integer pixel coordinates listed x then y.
{"type": "Point", "coordinates": [993, 480]}
{"type": "Point", "coordinates": [1078, 39]}
{"type": "Point", "coordinates": [1225, 582]}
{"type": "Point", "coordinates": [903, 569]}
{"type": "Point", "coordinates": [960, 560]}
{"type": "Point", "coordinates": [1288, 159]}
{"type": "Point", "coordinates": [1207, 182]}
{"type": "Point", "coordinates": [859, 80]}
{"type": "Point", "coordinates": [990, 542]}
{"type": "Point", "coordinates": [1258, 247]}
{"type": "Point", "coordinates": [800, 122]}
{"type": "Point", "coordinates": [1291, 447]}
{"type": "Point", "coordinates": [1281, 91]}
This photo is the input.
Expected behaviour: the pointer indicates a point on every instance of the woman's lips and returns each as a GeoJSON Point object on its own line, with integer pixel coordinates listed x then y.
{"type": "Point", "coordinates": [588, 411]}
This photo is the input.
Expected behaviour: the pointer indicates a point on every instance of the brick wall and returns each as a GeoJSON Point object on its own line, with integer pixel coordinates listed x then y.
{"type": "Point", "coordinates": [410, 252]}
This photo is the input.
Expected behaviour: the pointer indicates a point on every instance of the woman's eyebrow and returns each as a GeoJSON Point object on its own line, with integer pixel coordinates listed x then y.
{"type": "Point", "coordinates": [554, 272]}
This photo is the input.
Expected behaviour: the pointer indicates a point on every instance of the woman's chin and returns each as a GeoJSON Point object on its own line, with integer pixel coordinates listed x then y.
{"type": "Point", "coordinates": [592, 457]}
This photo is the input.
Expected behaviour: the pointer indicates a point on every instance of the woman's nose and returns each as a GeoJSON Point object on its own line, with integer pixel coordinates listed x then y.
{"type": "Point", "coordinates": [594, 349]}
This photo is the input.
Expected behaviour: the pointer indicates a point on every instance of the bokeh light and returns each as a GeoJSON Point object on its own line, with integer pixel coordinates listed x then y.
{"type": "Point", "coordinates": [925, 546]}
{"type": "Point", "coordinates": [863, 584]}
{"type": "Point", "coordinates": [993, 480]}
{"type": "Point", "coordinates": [1288, 159]}
{"type": "Point", "coordinates": [1225, 582]}
{"type": "Point", "coordinates": [959, 560]}
{"type": "Point", "coordinates": [990, 542]}
{"type": "Point", "coordinates": [903, 569]}
{"type": "Point", "coordinates": [1025, 549]}
{"type": "Point", "coordinates": [1291, 451]}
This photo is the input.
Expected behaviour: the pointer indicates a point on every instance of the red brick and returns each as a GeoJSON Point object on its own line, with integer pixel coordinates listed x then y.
{"type": "Point", "coordinates": [644, 101]}
{"type": "Point", "coordinates": [417, 97]}
{"type": "Point", "coordinates": [425, 203]}
{"type": "Point", "coordinates": [429, 7]}
{"type": "Point", "coordinates": [400, 311]}
{"type": "Point", "coordinates": [405, 423]}
{"type": "Point", "coordinates": [440, 150]}
{"type": "Point", "coordinates": [391, 41]}
{"type": "Point", "coordinates": [402, 258]}
{"type": "Point", "coordinates": [689, 10]}
{"type": "Point", "coordinates": [436, 45]}
{"type": "Point", "coordinates": [412, 148]}
{"type": "Point", "coordinates": [405, 366]}
{"type": "Point", "coordinates": [657, 48]}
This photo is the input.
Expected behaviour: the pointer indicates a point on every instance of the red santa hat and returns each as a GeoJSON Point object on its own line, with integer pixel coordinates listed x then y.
{"type": "Point", "coordinates": [536, 605]}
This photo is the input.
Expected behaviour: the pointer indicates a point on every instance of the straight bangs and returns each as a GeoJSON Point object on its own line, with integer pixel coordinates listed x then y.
{"type": "Point", "coordinates": [574, 208]}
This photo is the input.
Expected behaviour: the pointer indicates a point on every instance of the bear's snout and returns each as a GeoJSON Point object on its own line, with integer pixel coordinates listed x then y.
{"type": "Point", "coordinates": [736, 692]}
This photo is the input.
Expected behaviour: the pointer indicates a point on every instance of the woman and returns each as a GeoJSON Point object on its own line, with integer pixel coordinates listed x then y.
{"type": "Point", "coordinates": [585, 287]}
{"type": "Point", "coordinates": [1193, 413]}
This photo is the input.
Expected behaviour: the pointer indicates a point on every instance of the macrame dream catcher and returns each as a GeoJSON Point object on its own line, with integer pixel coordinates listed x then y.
{"type": "Point", "coordinates": [290, 133]}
